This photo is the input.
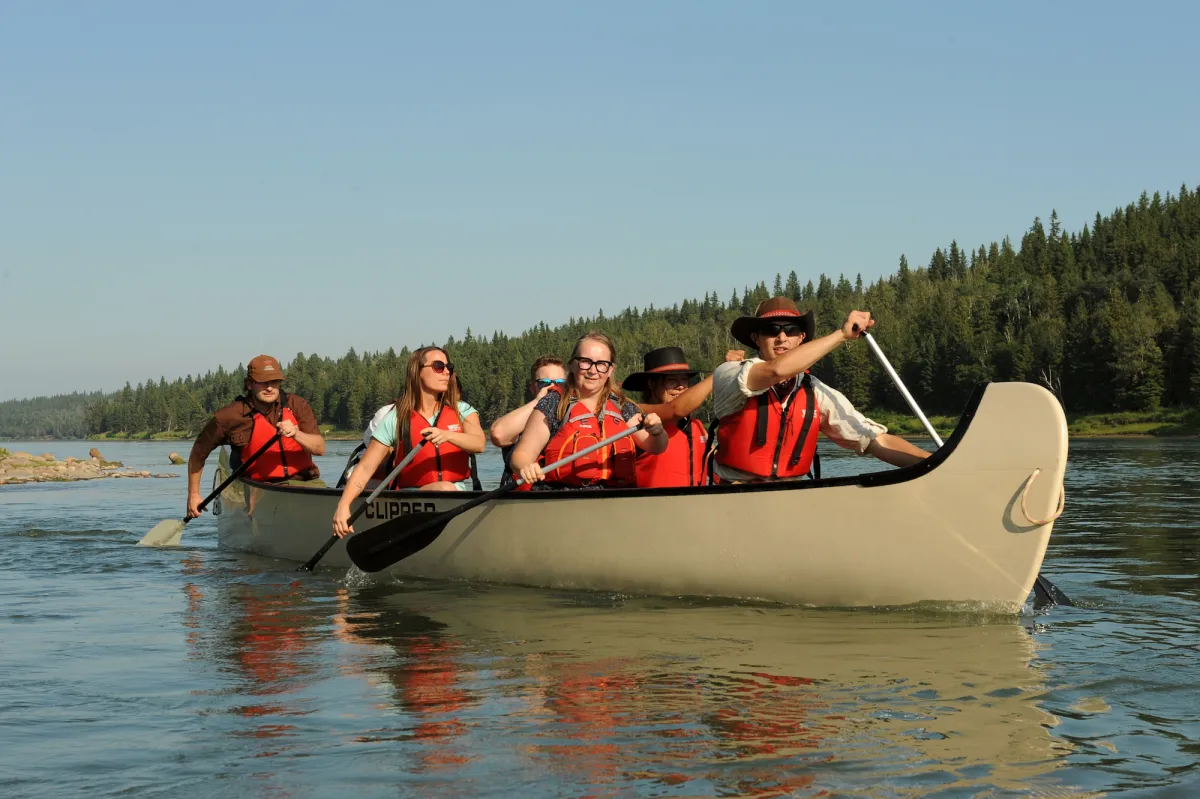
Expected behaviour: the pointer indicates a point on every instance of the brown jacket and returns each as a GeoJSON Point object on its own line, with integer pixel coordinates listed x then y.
{"type": "Point", "coordinates": [234, 423]}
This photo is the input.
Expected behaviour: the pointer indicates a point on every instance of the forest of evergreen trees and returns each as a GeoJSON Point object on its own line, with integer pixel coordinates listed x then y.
{"type": "Point", "coordinates": [1105, 317]}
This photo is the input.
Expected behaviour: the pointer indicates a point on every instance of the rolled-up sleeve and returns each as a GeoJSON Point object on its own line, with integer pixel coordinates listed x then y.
{"type": "Point", "coordinates": [842, 423]}
{"type": "Point", "coordinates": [729, 387]}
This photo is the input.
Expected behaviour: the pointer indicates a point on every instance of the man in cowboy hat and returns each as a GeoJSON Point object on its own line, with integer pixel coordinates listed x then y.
{"type": "Point", "coordinates": [771, 409]}
{"type": "Point", "coordinates": [252, 420]}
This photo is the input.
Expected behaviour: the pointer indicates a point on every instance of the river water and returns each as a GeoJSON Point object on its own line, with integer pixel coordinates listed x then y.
{"type": "Point", "coordinates": [196, 672]}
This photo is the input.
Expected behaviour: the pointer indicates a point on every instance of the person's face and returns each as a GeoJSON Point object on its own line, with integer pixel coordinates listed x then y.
{"type": "Point", "coordinates": [668, 387]}
{"type": "Point", "coordinates": [776, 338]}
{"type": "Point", "coordinates": [267, 393]}
{"type": "Point", "coordinates": [546, 375]}
{"type": "Point", "coordinates": [592, 364]}
{"type": "Point", "coordinates": [436, 370]}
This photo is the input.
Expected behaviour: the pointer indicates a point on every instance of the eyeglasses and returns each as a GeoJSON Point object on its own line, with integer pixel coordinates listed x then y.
{"type": "Point", "coordinates": [586, 364]}
{"type": "Point", "coordinates": [774, 328]}
{"type": "Point", "coordinates": [440, 366]}
{"type": "Point", "coordinates": [546, 382]}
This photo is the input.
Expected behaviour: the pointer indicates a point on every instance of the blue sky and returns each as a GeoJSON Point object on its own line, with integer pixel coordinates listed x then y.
{"type": "Point", "coordinates": [187, 185]}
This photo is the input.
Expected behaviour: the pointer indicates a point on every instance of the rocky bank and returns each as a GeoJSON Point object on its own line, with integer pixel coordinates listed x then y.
{"type": "Point", "coordinates": [18, 468]}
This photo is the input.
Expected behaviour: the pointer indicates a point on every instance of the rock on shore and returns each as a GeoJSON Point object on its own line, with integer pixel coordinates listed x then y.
{"type": "Point", "coordinates": [21, 467]}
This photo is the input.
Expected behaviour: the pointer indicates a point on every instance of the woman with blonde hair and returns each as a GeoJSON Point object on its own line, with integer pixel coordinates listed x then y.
{"type": "Point", "coordinates": [589, 408]}
{"type": "Point", "coordinates": [429, 412]}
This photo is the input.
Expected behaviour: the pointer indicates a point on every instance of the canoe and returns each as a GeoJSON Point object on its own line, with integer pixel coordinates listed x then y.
{"type": "Point", "coordinates": [969, 524]}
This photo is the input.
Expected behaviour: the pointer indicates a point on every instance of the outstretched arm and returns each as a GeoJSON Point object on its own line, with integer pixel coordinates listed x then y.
{"type": "Point", "coordinates": [689, 401]}
{"type": "Point", "coordinates": [793, 362]}
{"type": "Point", "coordinates": [895, 450]}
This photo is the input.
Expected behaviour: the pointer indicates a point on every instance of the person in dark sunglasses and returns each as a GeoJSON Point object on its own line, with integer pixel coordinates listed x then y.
{"type": "Point", "coordinates": [547, 372]}
{"type": "Point", "coordinates": [771, 410]}
{"type": "Point", "coordinates": [430, 414]}
{"type": "Point", "coordinates": [589, 409]}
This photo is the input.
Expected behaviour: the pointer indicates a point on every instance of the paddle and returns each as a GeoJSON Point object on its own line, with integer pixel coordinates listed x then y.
{"type": "Point", "coordinates": [333, 539]}
{"type": "Point", "coordinates": [1046, 591]}
{"type": "Point", "coordinates": [168, 532]}
{"type": "Point", "coordinates": [388, 543]}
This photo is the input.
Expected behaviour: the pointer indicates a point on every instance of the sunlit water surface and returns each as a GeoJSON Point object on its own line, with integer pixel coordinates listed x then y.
{"type": "Point", "coordinates": [199, 672]}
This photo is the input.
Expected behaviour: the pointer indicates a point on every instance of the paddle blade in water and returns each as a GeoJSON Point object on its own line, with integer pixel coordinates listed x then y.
{"type": "Point", "coordinates": [388, 543]}
{"type": "Point", "coordinates": [166, 533]}
{"type": "Point", "coordinates": [1049, 594]}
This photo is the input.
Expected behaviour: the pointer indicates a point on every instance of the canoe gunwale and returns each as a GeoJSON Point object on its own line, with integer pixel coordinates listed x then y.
{"type": "Point", "coordinates": [865, 480]}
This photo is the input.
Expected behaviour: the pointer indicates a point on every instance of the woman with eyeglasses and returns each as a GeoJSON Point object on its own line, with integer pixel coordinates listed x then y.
{"type": "Point", "coordinates": [429, 411]}
{"type": "Point", "coordinates": [546, 373]}
{"type": "Point", "coordinates": [588, 409]}
{"type": "Point", "coordinates": [771, 410]}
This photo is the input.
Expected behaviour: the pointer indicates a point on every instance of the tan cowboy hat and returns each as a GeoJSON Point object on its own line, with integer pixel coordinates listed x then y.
{"type": "Point", "coordinates": [776, 309]}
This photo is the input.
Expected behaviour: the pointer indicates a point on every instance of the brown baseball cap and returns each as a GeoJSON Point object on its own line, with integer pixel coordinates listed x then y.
{"type": "Point", "coordinates": [264, 368]}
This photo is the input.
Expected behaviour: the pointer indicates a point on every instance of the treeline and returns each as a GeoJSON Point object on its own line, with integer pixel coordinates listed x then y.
{"type": "Point", "coordinates": [1105, 317]}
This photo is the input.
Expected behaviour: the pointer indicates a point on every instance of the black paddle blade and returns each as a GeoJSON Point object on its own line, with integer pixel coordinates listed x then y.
{"type": "Point", "coordinates": [1047, 593]}
{"type": "Point", "coordinates": [388, 543]}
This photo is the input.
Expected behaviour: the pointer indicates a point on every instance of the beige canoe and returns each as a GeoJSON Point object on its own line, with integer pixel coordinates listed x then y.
{"type": "Point", "coordinates": [970, 524]}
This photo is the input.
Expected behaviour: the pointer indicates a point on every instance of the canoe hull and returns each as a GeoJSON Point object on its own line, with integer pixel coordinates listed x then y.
{"type": "Point", "coordinates": [952, 529]}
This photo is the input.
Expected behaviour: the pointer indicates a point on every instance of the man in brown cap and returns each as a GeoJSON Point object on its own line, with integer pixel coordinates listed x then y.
{"type": "Point", "coordinates": [250, 421]}
{"type": "Point", "coordinates": [771, 410]}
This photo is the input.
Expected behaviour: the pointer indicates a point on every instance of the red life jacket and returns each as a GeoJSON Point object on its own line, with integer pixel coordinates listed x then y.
{"type": "Point", "coordinates": [284, 460]}
{"type": "Point", "coordinates": [435, 462]}
{"type": "Point", "coordinates": [611, 466]}
{"type": "Point", "coordinates": [681, 464]}
{"type": "Point", "coordinates": [766, 439]}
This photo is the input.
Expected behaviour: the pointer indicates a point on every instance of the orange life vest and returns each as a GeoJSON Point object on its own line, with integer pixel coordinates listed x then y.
{"type": "Point", "coordinates": [768, 438]}
{"type": "Point", "coordinates": [612, 465]}
{"type": "Point", "coordinates": [681, 464]}
{"type": "Point", "coordinates": [434, 462]}
{"type": "Point", "coordinates": [284, 460]}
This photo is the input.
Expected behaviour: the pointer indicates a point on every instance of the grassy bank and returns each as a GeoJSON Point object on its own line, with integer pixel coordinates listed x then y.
{"type": "Point", "coordinates": [145, 435]}
{"type": "Point", "coordinates": [332, 433]}
{"type": "Point", "coordinates": [1164, 422]}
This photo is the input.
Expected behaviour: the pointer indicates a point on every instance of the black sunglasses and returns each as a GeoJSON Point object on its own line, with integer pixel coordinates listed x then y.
{"type": "Point", "coordinates": [774, 328]}
{"type": "Point", "coordinates": [546, 382]}
{"type": "Point", "coordinates": [440, 366]}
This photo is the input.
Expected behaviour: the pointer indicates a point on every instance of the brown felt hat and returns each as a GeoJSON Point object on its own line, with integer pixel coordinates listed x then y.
{"type": "Point", "coordinates": [263, 369]}
{"type": "Point", "coordinates": [777, 309]}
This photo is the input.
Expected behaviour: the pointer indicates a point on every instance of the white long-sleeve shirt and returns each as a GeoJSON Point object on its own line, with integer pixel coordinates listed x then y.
{"type": "Point", "coordinates": [839, 422]}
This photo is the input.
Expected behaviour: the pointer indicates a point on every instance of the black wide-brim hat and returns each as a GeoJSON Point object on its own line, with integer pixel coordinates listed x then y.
{"type": "Point", "coordinates": [662, 362]}
{"type": "Point", "coordinates": [777, 309]}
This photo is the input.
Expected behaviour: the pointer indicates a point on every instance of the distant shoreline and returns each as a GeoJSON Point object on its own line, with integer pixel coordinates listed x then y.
{"type": "Point", "coordinates": [1162, 423]}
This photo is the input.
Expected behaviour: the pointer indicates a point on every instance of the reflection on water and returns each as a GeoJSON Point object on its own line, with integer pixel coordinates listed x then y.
{"type": "Point", "coordinates": [585, 695]}
{"type": "Point", "coordinates": [198, 672]}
